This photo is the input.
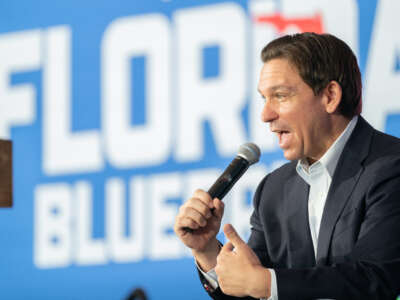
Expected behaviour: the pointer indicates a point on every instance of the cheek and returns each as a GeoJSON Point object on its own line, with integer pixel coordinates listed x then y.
{"type": "Point", "coordinates": [299, 131]}
{"type": "Point", "coordinates": [303, 135]}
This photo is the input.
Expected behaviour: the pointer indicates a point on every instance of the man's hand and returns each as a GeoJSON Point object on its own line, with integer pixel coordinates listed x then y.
{"type": "Point", "coordinates": [239, 270]}
{"type": "Point", "coordinates": [203, 216]}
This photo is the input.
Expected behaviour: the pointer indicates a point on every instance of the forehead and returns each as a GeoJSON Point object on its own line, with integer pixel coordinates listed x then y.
{"type": "Point", "coordinates": [277, 73]}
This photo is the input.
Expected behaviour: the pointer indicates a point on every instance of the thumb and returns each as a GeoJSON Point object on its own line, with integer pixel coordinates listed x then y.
{"type": "Point", "coordinates": [232, 235]}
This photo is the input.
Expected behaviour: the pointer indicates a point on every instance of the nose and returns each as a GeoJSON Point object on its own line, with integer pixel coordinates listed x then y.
{"type": "Point", "coordinates": [269, 112]}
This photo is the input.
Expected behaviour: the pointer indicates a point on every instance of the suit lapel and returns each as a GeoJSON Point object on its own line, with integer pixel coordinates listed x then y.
{"type": "Point", "coordinates": [301, 250]}
{"type": "Point", "coordinates": [338, 196]}
{"type": "Point", "coordinates": [345, 178]}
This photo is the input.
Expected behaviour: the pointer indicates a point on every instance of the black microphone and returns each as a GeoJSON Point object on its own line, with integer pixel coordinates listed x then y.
{"type": "Point", "coordinates": [248, 154]}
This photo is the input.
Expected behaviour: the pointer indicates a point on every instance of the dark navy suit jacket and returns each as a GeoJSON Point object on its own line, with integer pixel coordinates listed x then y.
{"type": "Point", "coordinates": [358, 252]}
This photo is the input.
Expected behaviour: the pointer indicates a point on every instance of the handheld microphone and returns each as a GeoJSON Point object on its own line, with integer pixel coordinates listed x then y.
{"type": "Point", "coordinates": [248, 154]}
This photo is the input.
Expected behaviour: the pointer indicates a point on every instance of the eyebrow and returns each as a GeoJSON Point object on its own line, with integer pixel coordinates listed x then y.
{"type": "Point", "coordinates": [277, 87]}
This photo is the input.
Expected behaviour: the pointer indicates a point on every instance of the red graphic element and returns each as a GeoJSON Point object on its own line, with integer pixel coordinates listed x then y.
{"type": "Point", "coordinates": [312, 24]}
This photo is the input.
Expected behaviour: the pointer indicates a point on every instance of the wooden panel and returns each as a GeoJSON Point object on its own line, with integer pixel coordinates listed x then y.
{"type": "Point", "coordinates": [5, 173]}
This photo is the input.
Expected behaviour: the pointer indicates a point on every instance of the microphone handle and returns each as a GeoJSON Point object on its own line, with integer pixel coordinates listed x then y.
{"type": "Point", "coordinates": [224, 183]}
{"type": "Point", "coordinates": [227, 179]}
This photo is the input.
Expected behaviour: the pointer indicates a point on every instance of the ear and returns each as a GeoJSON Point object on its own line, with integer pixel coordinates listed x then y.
{"type": "Point", "coordinates": [333, 96]}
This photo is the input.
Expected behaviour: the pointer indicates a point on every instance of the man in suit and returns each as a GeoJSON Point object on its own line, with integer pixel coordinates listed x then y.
{"type": "Point", "coordinates": [326, 224]}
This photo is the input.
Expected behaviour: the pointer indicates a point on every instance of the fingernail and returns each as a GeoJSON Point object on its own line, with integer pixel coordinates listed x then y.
{"type": "Point", "coordinates": [228, 228]}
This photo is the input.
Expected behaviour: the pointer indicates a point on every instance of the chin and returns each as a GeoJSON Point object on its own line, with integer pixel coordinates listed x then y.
{"type": "Point", "coordinates": [291, 156]}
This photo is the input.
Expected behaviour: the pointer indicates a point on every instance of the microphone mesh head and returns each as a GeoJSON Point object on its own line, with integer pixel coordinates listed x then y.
{"type": "Point", "coordinates": [250, 152]}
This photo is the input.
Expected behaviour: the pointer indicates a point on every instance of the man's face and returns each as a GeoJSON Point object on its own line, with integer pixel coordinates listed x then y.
{"type": "Point", "coordinates": [294, 113]}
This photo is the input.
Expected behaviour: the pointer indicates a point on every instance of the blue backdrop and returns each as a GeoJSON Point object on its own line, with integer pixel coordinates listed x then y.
{"type": "Point", "coordinates": [118, 110]}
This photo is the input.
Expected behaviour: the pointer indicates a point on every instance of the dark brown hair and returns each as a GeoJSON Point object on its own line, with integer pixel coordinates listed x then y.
{"type": "Point", "coordinates": [319, 59]}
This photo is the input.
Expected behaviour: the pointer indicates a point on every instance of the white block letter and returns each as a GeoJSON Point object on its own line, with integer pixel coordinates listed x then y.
{"type": "Point", "coordinates": [383, 76]}
{"type": "Point", "coordinates": [88, 250]}
{"type": "Point", "coordinates": [19, 52]}
{"type": "Point", "coordinates": [241, 210]}
{"type": "Point", "coordinates": [218, 99]}
{"type": "Point", "coordinates": [125, 248]}
{"type": "Point", "coordinates": [164, 245]}
{"type": "Point", "coordinates": [63, 151]}
{"type": "Point", "coordinates": [52, 226]}
{"type": "Point", "coordinates": [126, 145]}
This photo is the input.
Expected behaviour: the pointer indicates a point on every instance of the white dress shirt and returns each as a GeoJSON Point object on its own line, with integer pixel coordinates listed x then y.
{"type": "Point", "coordinates": [319, 177]}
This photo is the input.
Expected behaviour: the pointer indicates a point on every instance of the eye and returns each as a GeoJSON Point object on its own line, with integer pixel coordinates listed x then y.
{"type": "Point", "coordinates": [280, 96]}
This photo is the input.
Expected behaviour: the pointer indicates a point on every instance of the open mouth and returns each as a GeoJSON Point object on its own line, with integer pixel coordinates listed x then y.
{"type": "Point", "coordinates": [284, 137]}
